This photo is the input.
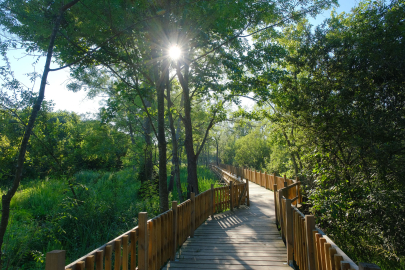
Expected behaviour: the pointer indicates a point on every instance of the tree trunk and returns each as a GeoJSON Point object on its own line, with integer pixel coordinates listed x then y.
{"type": "Point", "coordinates": [131, 134]}
{"type": "Point", "coordinates": [159, 82]}
{"type": "Point", "coordinates": [175, 159]}
{"type": "Point", "coordinates": [292, 154]}
{"type": "Point", "coordinates": [178, 131]}
{"type": "Point", "coordinates": [146, 175]}
{"type": "Point", "coordinates": [6, 198]}
{"type": "Point", "coordinates": [217, 153]}
{"type": "Point", "coordinates": [188, 140]}
{"type": "Point", "coordinates": [208, 154]}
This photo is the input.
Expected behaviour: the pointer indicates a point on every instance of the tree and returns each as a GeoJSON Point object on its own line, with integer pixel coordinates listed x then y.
{"type": "Point", "coordinates": [343, 95]}
{"type": "Point", "coordinates": [252, 150]}
{"type": "Point", "coordinates": [6, 198]}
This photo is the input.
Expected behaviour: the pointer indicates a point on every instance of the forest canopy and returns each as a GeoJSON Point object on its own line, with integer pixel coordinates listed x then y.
{"type": "Point", "coordinates": [330, 106]}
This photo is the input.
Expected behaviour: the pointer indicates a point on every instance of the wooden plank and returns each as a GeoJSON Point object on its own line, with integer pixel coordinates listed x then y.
{"type": "Point", "coordinates": [99, 260]}
{"type": "Point", "coordinates": [332, 253]}
{"type": "Point", "coordinates": [174, 246]}
{"type": "Point", "coordinates": [232, 261]}
{"type": "Point", "coordinates": [55, 260]}
{"type": "Point", "coordinates": [296, 237]}
{"type": "Point", "coordinates": [328, 260]}
{"type": "Point", "coordinates": [300, 241]}
{"type": "Point", "coordinates": [322, 243]}
{"type": "Point", "coordinates": [314, 232]}
{"type": "Point", "coordinates": [89, 263]}
{"type": "Point", "coordinates": [289, 231]}
{"type": "Point", "coordinates": [80, 265]}
{"type": "Point", "coordinates": [151, 245]}
{"type": "Point", "coordinates": [108, 257]}
{"type": "Point", "coordinates": [232, 267]}
{"type": "Point", "coordinates": [245, 237]}
{"type": "Point", "coordinates": [159, 260]}
{"type": "Point", "coordinates": [125, 252]}
{"type": "Point", "coordinates": [233, 244]}
{"type": "Point", "coordinates": [264, 257]}
{"type": "Point", "coordinates": [231, 188]}
{"type": "Point", "coordinates": [237, 253]}
{"type": "Point", "coordinates": [337, 259]}
{"type": "Point", "coordinates": [309, 228]}
{"type": "Point", "coordinates": [143, 241]}
{"type": "Point", "coordinates": [318, 237]}
{"type": "Point", "coordinates": [163, 235]}
{"type": "Point", "coordinates": [224, 265]}
{"type": "Point", "coordinates": [212, 195]}
{"type": "Point", "coordinates": [133, 238]}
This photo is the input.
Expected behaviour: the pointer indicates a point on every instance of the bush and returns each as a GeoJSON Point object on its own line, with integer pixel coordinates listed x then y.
{"type": "Point", "coordinates": [46, 214]}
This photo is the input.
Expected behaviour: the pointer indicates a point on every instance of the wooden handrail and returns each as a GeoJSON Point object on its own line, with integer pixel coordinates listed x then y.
{"type": "Point", "coordinates": [155, 241]}
{"type": "Point", "coordinates": [307, 245]}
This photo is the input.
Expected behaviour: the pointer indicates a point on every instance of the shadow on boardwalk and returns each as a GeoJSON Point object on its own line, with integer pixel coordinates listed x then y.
{"type": "Point", "coordinates": [246, 238]}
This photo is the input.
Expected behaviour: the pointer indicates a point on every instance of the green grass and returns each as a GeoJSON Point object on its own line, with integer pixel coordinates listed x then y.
{"type": "Point", "coordinates": [45, 215]}
{"type": "Point", "coordinates": [205, 179]}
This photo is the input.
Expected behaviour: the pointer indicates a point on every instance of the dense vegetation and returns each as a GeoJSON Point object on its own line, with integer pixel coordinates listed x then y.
{"type": "Point", "coordinates": [336, 120]}
{"type": "Point", "coordinates": [46, 216]}
{"type": "Point", "coordinates": [81, 188]}
{"type": "Point", "coordinates": [330, 110]}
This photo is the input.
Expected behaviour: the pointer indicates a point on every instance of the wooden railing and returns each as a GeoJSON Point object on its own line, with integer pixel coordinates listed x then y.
{"type": "Point", "coordinates": [153, 242]}
{"type": "Point", "coordinates": [308, 246]}
{"type": "Point", "coordinates": [239, 189]}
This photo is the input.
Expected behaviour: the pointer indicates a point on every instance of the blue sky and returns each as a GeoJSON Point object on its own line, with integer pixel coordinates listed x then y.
{"type": "Point", "coordinates": [66, 100]}
{"type": "Point", "coordinates": [344, 6]}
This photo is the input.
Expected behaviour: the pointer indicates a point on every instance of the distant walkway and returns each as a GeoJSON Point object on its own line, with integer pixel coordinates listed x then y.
{"type": "Point", "coordinates": [246, 238]}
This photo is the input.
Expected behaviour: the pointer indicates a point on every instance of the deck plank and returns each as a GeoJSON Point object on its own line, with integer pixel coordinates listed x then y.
{"type": "Point", "coordinates": [246, 238]}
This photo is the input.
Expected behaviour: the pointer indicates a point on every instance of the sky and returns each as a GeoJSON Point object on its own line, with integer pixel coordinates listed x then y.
{"type": "Point", "coordinates": [63, 99]}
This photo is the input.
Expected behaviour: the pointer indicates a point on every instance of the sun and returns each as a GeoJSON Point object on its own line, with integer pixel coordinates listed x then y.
{"type": "Point", "coordinates": [174, 52]}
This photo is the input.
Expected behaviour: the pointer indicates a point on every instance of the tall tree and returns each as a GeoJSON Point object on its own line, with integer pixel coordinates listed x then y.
{"type": "Point", "coordinates": [10, 21]}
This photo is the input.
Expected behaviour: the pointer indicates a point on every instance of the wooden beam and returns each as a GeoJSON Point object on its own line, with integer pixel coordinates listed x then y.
{"type": "Point", "coordinates": [55, 260]}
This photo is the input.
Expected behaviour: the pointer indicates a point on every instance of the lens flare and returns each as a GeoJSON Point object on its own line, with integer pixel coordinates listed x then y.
{"type": "Point", "coordinates": [174, 52]}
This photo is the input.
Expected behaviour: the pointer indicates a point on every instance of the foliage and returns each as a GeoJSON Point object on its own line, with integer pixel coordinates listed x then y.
{"type": "Point", "coordinates": [46, 216]}
{"type": "Point", "coordinates": [205, 178]}
{"type": "Point", "coordinates": [344, 93]}
{"type": "Point", "coordinates": [62, 144]}
{"type": "Point", "coordinates": [252, 150]}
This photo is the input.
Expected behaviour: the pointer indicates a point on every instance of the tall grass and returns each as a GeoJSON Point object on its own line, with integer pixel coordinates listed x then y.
{"type": "Point", "coordinates": [205, 178]}
{"type": "Point", "coordinates": [46, 215]}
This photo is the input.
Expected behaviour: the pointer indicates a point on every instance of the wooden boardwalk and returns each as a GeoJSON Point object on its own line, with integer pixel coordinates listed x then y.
{"type": "Point", "coordinates": [246, 238]}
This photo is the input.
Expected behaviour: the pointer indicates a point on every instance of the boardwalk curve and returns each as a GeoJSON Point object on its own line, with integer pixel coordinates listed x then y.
{"type": "Point", "coordinates": [246, 238]}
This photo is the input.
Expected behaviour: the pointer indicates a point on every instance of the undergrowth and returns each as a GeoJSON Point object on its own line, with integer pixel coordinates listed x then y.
{"type": "Point", "coordinates": [46, 215]}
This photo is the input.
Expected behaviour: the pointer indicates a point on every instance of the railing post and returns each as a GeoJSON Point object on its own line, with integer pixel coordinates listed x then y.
{"type": "Point", "coordinates": [299, 200]}
{"type": "Point", "coordinates": [275, 202]}
{"type": "Point", "coordinates": [174, 248]}
{"type": "Point", "coordinates": [231, 193]}
{"type": "Point", "coordinates": [192, 198]}
{"type": "Point", "coordinates": [260, 178]}
{"type": "Point", "coordinates": [254, 176]}
{"type": "Point", "coordinates": [309, 228]}
{"type": "Point", "coordinates": [55, 260]}
{"type": "Point", "coordinates": [297, 192]}
{"type": "Point", "coordinates": [212, 201]}
{"type": "Point", "coordinates": [143, 241]}
{"type": "Point", "coordinates": [247, 193]}
{"type": "Point", "coordinates": [368, 266]}
{"type": "Point", "coordinates": [289, 232]}
{"type": "Point", "coordinates": [99, 259]}
{"type": "Point", "coordinates": [280, 207]}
